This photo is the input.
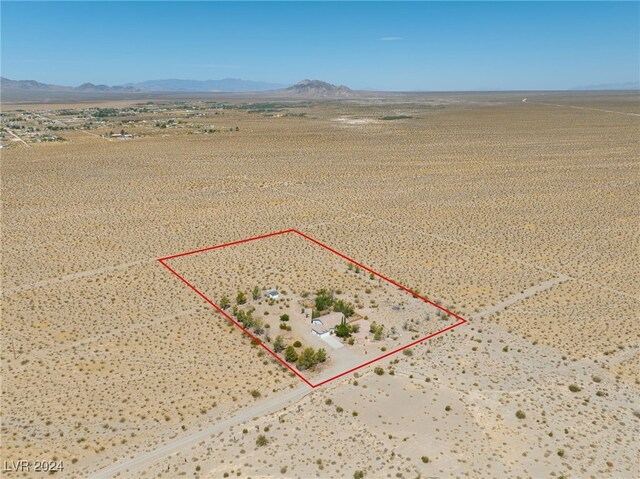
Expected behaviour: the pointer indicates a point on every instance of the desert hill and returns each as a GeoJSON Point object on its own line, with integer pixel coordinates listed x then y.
{"type": "Point", "coordinates": [319, 89]}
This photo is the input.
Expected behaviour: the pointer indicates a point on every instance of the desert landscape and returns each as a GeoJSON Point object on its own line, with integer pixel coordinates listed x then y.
{"type": "Point", "coordinates": [520, 216]}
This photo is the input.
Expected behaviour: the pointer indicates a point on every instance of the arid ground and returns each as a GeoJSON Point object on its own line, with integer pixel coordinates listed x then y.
{"type": "Point", "coordinates": [521, 216]}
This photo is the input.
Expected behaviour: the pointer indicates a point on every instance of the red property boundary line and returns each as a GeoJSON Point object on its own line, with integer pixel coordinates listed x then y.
{"type": "Point", "coordinates": [163, 262]}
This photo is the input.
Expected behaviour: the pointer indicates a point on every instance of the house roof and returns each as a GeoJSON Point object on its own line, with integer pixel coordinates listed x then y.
{"type": "Point", "coordinates": [329, 321]}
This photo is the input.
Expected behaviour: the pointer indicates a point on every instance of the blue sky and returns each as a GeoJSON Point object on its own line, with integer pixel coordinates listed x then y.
{"type": "Point", "coordinates": [387, 46]}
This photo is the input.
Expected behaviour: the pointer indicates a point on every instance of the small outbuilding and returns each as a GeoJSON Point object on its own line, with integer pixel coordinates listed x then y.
{"type": "Point", "coordinates": [272, 294]}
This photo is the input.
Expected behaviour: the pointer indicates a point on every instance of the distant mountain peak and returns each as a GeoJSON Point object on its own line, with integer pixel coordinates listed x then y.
{"type": "Point", "coordinates": [319, 88]}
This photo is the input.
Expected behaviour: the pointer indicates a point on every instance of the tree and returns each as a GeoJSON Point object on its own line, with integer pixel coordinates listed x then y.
{"type": "Point", "coordinates": [321, 355]}
{"type": "Point", "coordinates": [255, 293]}
{"type": "Point", "coordinates": [284, 317]}
{"type": "Point", "coordinates": [224, 302]}
{"type": "Point", "coordinates": [258, 326]}
{"type": "Point", "coordinates": [324, 299]}
{"type": "Point", "coordinates": [344, 307]}
{"type": "Point", "coordinates": [307, 359]}
{"type": "Point", "coordinates": [241, 298]}
{"type": "Point", "coordinates": [343, 330]}
{"type": "Point", "coordinates": [278, 344]}
{"type": "Point", "coordinates": [290, 355]}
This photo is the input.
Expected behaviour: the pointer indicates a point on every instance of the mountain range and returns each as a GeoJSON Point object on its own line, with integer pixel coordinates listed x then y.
{"type": "Point", "coordinates": [305, 88]}
{"type": "Point", "coordinates": [234, 85]}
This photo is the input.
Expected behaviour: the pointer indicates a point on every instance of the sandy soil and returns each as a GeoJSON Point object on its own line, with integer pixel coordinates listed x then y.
{"type": "Point", "coordinates": [479, 202]}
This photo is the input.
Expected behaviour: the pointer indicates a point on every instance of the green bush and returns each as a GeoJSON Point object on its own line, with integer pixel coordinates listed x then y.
{"type": "Point", "coordinates": [321, 355]}
{"type": "Point", "coordinates": [241, 298]}
{"type": "Point", "coordinates": [344, 307]}
{"type": "Point", "coordinates": [307, 359]}
{"type": "Point", "coordinates": [324, 299]}
{"type": "Point", "coordinates": [290, 355]}
{"type": "Point", "coordinates": [278, 344]}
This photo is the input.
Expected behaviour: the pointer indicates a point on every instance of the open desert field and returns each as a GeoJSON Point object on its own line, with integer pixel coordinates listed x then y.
{"type": "Point", "coordinates": [520, 216]}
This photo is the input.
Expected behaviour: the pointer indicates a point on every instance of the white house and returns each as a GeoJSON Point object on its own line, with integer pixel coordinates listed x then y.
{"type": "Point", "coordinates": [324, 325]}
{"type": "Point", "coordinates": [272, 294]}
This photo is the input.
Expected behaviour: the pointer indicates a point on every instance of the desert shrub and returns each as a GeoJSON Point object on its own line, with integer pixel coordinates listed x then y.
{"type": "Point", "coordinates": [284, 317]}
{"type": "Point", "coordinates": [241, 298]}
{"type": "Point", "coordinates": [321, 355]}
{"type": "Point", "coordinates": [307, 359]}
{"type": "Point", "coordinates": [560, 452]}
{"type": "Point", "coordinates": [297, 344]}
{"type": "Point", "coordinates": [261, 440]}
{"type": "Point", "coordinates": [290, 355]}
{"type": "Point", "coordinates": [278, 344]}
{"type": "Point", "coordinates": [425, 459]}
{"type": "Point", "coordinates": [520, 414]}
{"type": "Point", "coordinates": [358, 474]}
{"type": "Point", "coordinates": [328, 401]}
{"type": "Point", "coordinates": [407, 352]}
{"type": "Point", "coordinates": [224, 302]}
{"type": "Point", "coordinates": [379, 371]}
{"type": "Point", "coordinates": [447, 408]}
{"type": "Point", "coordinates": [255, 393]}
{"type": "Point", "coordinates": [342, 330]}
{"type": "Point", "coordinates": [574, 388]}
